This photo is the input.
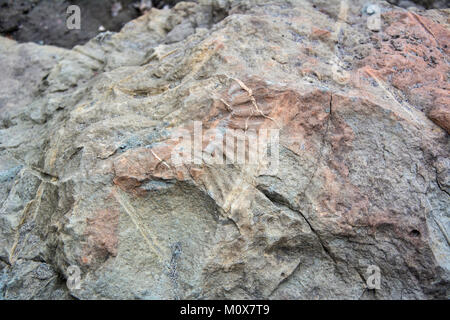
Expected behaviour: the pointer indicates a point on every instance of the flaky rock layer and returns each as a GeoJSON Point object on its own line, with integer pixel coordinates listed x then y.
{"type": "Point", "coordinates": [362, 178]}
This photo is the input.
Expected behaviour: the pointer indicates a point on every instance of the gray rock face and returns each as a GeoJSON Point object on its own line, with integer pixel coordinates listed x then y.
{"type": "Point", "coordinates": [362, 179]}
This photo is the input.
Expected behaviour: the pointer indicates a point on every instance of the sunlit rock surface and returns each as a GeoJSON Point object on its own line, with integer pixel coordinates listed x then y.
{"type": "Point", "coordinates": [87, 177]}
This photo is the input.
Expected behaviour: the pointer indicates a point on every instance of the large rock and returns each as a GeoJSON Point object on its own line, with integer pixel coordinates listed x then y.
{"type": "Point", "coordinates": [362, 179]}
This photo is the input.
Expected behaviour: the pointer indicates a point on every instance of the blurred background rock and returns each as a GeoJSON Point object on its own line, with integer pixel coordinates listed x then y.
{"type": "Point", "coordinates": [43, 21]}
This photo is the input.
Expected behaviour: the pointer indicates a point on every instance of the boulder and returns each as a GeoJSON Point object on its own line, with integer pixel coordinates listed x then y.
{"type": "Point", "coordinates": [357, 179]}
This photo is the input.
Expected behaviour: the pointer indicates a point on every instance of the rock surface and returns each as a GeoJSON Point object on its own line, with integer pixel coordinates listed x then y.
{"type": "Point", "coordinates": [87, 177]}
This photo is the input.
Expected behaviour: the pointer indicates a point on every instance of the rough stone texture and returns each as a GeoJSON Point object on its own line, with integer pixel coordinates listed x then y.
{"type": "Point", "coordinates": [363, 176]}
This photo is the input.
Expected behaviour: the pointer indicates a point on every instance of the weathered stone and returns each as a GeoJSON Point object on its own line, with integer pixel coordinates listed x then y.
{"type": "Point", "coordinates": [362, 178]}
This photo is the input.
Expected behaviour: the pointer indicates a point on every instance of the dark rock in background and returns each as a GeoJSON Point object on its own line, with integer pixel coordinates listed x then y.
{"type": "Point", "coordinates": [421, 4]}
{"type": "Point", "coordinates": [44, 21]}
{"type": "Point", "coordinates": [363, 178]}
